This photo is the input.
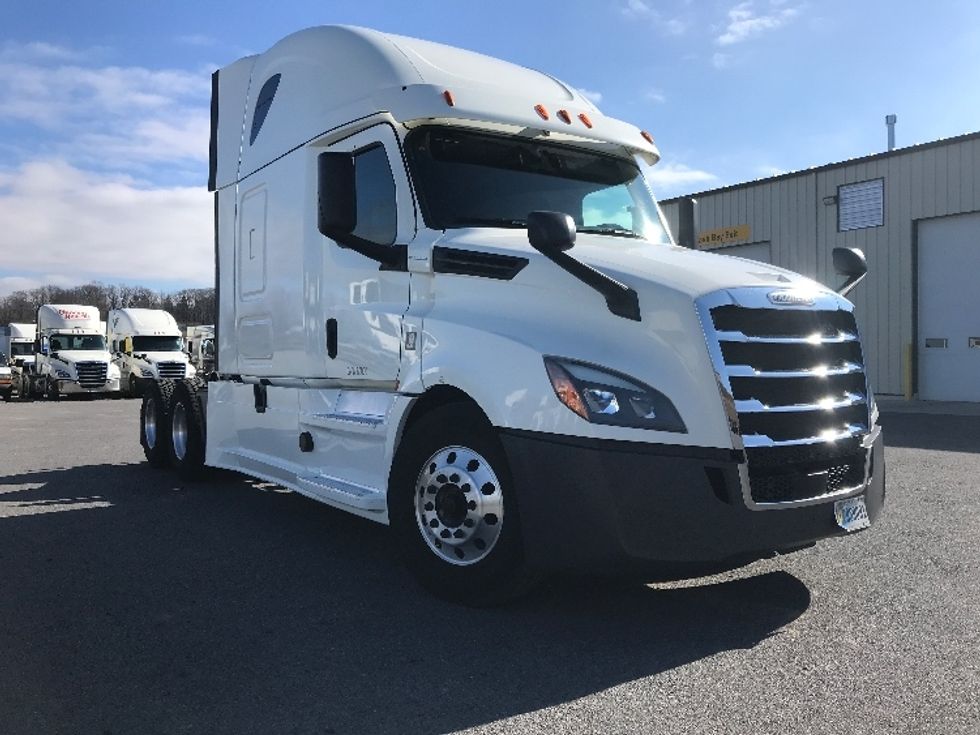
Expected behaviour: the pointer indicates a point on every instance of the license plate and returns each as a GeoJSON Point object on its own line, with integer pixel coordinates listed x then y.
{"type": "Point", "coordinates": [852, 514]}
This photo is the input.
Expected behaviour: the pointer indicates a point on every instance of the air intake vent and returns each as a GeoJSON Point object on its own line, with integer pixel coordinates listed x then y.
{"type": "Point", "coordinates": [475, 263]}
{"type": "Point", "coordinates": [796, 376]}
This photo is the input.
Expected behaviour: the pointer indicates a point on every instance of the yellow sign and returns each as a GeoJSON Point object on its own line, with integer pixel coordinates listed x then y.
{"type": "Point", "coordinates": [723, 236]}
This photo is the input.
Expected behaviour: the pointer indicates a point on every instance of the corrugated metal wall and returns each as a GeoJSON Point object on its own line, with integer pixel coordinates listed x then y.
{"type": "Point", "coordinates": [789, 212]}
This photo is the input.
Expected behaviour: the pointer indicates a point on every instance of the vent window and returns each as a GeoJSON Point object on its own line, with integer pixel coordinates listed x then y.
{"type": "Point", "coordinates": [861, 205]}
{"type": "Point", "coordinates": [262, 105]}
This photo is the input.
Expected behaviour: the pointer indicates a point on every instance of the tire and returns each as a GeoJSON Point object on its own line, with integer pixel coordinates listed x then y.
{"type": "Point", "coordinates": [155, 422]}
{"type": "Point", "coordinates": [8, 396]}
{"type": "Point", "coordinates": [454, 511]}
{"type": "Point", "coordinates": [134, 386]}
{"type": "Point", "coordinates": [52, 390]}
{"type": "Point", "coordinates": [187, 430]}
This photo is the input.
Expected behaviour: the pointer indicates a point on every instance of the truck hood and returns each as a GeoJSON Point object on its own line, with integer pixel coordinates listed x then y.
{"type": "Point", "coordinates": [635, 261]}
{"type": "Point", "coordinates": [75, 356]}
{"type": "Point", "coordinates": [154, 357]}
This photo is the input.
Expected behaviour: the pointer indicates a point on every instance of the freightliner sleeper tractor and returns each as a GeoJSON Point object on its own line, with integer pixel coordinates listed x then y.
{"type": "Point", "coordinates": [447, 302]}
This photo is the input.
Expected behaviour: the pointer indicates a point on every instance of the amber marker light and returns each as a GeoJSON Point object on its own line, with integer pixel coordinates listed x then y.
{"type": "Point", "coordinates": [542, 112]}
{"type": "Point", "coordinates": [647, 137]}
{"type": "Point", "coordinates": [448, 96]}
{"type": "Point", "coordinates": [564, 117]}
{"type": "Point", "coordinates": [585, 120]}
{"type": "Point", "coordinates": [565, 389]}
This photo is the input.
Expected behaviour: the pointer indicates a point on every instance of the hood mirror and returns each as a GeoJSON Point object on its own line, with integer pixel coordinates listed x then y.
{"type": "Point", "coordinates": [850, 263]}
{"type": "Point", "coordinates": [550, 232]}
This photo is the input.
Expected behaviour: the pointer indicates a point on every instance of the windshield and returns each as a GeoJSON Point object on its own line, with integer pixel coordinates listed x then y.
{"type": "Point", "coordinates": [473, 179]}
{"type": "Point", "coordinates": [21, 349]}
{"type": "Point", "coordinates": [157, 344]}
{"type": "Point", "coordinates": [77, 342]}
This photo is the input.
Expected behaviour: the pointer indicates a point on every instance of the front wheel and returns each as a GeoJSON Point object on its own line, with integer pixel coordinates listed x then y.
{"type": "Point", "coordinates": [53, 393]}
{"type": "Point", "coordinates": [454, 511]}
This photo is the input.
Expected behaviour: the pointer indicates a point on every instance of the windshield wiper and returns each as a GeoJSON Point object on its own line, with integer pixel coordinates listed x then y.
{"type": "Point", "coordinates": [608, 230]}
{"type": "Point", "coordinates": [486, 222]}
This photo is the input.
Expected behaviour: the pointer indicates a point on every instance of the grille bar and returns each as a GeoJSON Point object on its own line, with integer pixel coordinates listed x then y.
{"type": "Point", "coordinates": [814, 339]}
{"type": "Point", "coordinates": [830, 404]}
{"type": "Point", "coordinates": [747, 371]}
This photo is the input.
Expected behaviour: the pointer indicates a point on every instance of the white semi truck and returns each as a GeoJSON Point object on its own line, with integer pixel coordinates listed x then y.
{"type": "Point", "coordinates": [71, 355]}
{"type": "Point", "coordinates": [200, 346]}
{"type": "Point", "coordinates": [146, 345]}
{"type": "Point", "coordinates": [447, 302]}
{"type": "Point", "coordinates": [17, 344]}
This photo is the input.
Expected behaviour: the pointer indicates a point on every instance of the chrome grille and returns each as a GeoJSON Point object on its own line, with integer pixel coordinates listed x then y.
{"type": "Point", "coordinates": [92, 374]}
{"type": "Point", "coordinates": [797, 390]}
{"type": "Point", "coordinates": [171, 370]}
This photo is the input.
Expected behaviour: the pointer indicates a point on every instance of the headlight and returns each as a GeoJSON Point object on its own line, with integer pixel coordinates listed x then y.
{"type": "Point", "coordinates": [63, 373]}
{"type": "Point", "coordinates": [113, 371]}
{"type": "Point", "coordinates": [191, 370]}
{"type": "Point", "coordinates": [604, 396]}
{"type": "Point", "coordinates": [146, 373]}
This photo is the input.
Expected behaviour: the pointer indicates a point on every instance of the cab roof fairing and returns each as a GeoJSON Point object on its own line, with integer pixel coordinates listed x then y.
{"type": "Point", "coordinates": [403, 76]}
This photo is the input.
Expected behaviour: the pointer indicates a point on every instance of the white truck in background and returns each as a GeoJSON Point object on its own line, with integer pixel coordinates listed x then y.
{"type": "Point", "coordinates": [17, 343]}
{"type": "Point", "coordinates": [447, 302]}
{"type": "Point", "coordinates": [71, 355]}
{"type": "Point", "coordinates": [199, 341]}
{"type": "Point", "coordinates": [146, 344]}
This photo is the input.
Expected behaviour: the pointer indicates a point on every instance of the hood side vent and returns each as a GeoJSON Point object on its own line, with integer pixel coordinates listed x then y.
{"type": "Point", "coordinates": [476, 263]}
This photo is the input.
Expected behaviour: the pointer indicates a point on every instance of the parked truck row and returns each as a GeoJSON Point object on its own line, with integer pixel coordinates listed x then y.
{"type": "Point", "coordinates": [69, 350]}
{"type": "Point", "coordinates": [447, 302]}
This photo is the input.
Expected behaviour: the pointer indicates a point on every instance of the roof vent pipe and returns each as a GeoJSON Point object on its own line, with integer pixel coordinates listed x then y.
{"type": "Point", "coordinates": [890, 121]}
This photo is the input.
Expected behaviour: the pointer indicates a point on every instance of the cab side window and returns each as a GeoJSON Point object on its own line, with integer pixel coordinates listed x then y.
{"type": "Point", "coordinates": [375, 186]}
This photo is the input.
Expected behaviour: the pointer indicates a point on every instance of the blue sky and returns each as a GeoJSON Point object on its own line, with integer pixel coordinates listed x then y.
{"type": "Point", "coordinates": [104, 105]}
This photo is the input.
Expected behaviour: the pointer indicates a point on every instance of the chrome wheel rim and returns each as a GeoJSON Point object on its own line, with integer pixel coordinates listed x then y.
{"type": "Point", "coordinates": [180, 431]}
{"type": "Point", "coordinates": [459, 505]}
{"type": "Point", "coordinates": [150, 423]}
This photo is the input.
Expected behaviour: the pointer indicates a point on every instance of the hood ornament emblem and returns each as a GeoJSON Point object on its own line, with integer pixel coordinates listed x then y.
{"type": "Point", "coordinates": [791, 298]}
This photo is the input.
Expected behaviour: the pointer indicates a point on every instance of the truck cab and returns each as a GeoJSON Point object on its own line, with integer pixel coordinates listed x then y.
{"type": "Point", "coordinates": [71, 355]}
{"type": "Point", "coordinates": [17, 342]}
{"type": "Point", "coordinates": [146, 344]}
{"type": "Point", "coordinates": [448, 302]}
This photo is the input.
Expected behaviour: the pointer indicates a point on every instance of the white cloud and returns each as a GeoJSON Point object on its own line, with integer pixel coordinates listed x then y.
{"type": "Point", "coordinates": [744, 22]}
{"type": "Point", "coordinates": [669, 179]}
{"type": "Point", "coordinates": [107, 227]}
{"type": "Point", "coordinates": [9, 284]}
{"type": "Point", "coordinates": [768, 171]}
{"type": "Point", "coordinates": [594, 97]}
{"type": "Point", "coordinates": [720, 60]}
{"type": "Point", "coordinates": [112, 117]}
{"type": "Point", "coordinates": [37, 51]}
{"type": "Point", "coordinates": [655, 95]}
{"type": "Point", "coordinates": [641, 10]}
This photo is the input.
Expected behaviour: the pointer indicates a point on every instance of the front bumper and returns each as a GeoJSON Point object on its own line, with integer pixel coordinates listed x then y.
{"type": "Point", "coordinates": [663, 511]}
{"type": "Point", "coordinates": [71, 387]}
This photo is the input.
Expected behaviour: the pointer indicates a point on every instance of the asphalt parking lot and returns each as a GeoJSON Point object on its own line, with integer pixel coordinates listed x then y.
{"type": "Point", "coordinates": [130, 603]}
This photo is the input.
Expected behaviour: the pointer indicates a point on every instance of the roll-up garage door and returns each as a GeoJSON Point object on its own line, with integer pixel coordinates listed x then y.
{"type": "Point", "coordinates": [949, 308]}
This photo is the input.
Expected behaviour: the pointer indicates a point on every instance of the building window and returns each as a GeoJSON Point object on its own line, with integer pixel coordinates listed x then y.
{"type": "Point", "coordinates": [262, 105]}
{"type": "Point", "coordinates": [861, 205]}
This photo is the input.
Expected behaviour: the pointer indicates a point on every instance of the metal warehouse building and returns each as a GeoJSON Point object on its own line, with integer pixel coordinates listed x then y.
{"type": "Point", "coordinates": [915, 212]}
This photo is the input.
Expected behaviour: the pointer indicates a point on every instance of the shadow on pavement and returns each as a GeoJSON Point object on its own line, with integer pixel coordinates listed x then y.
{"type": "Point", "coordinates": [130, 604]}
{"type": "Point", "coordinates": [931, 431]}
